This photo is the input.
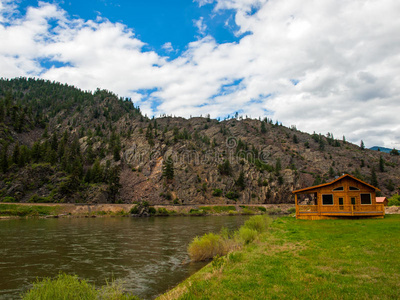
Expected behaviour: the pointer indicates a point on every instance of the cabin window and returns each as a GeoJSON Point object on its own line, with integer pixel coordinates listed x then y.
{"type": "Point", "coordinates": [327, 199]}
{"type": "Point", "coordinates": [353, 188]}
{"type": "Point", "coordinates": [366, 199]}
{"type": "Point", "coordinates": [339, 188]}
{"type": "Point", "coordinates": [340, 201]}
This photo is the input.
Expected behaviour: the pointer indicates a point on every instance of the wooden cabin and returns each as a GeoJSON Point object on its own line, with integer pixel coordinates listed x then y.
{"type": "Point", "coordinates": [345, 197]}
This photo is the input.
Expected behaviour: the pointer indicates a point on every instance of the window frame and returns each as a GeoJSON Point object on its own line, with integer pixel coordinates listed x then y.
{"type": "Point", "coordinates": [370, 199]}
{"type": "Point", "coordinates": [338, 189]}
{"type": "Point", "coordinates": [322, 200]}
{"type": "Point", "coordinates": [353, 188]}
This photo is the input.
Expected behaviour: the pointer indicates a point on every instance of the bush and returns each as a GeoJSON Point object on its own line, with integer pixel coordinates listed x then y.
{"type": "Point", "coordinates": [232, 195]}
{"type": "Point", "coordinates": [134, 210]}
{"type": "Point", "coordinates": [162, 211]}
{"type": "Point", "coordinates": [291, 210]}
{"type": "Point", "coordinates": [246, 235]}
{"type": "Point", "coordinates": [37, 199]}
{"type": "Point", "coordinates": [217, 193]}
{"type": "Point", "coordinates": [152, 210]}
{"type": "Point", "coordinates": [261, 208]}
{"type": "Point", "coordinates": [9, 199]}
{"type": "Point", "coordinates": [71, 287]}
{"type": "Point", "coordinates": [258, 223]}
{"type": "Point", "coordinates": [394, 200]}
{"type": "Point", "coordinates": [207, 246]}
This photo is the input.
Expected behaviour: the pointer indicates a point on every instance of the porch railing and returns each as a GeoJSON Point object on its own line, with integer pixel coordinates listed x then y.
{"type": "Point", "coordinates": [341, 209]}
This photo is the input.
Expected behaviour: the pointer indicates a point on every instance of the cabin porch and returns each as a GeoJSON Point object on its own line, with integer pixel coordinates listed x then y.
{"type": "Point", "coordinates": [314, 212]}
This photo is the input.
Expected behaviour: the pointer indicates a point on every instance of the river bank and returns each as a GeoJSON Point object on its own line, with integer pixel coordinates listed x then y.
{"type": "Point", "coordinates": [298, 259]}
{"type": "Point", "coordinates": [57, 210]}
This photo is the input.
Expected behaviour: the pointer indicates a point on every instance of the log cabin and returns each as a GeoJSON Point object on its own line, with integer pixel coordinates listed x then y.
{"type": "Point", "coordinates": [344, 197]}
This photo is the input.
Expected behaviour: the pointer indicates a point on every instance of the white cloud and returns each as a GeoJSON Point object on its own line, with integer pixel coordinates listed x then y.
{"type": "Point", "coordinates": [322, 65]}
{"type": "Point", "coordinates": [168, 47]}
{"type": "Point", "coordinates": [201, 27]}
{"type": "Point", "coordinates": [203, 2]}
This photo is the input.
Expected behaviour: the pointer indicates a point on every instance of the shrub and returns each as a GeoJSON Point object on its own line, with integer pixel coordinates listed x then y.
{"type": "Point", "coordinates": [258, 223]}
{"type": "Point", "coordinates": [162, 211]}
{"type": "Point", "coordinates": [232, 195]}
{"type": "Point", "coordinates": [9, 199]}
{"type": "Point", "coordinates": [217, 193]}
{"type": "Point", "coordinates": [62, 287]}
{"type": "Point", "coordinates": [394, 200]}
{"type": "Point", "coordinates": [71, 287]}
{"type": "Point", "coordinates": [263, 209]}
{"type": "Point", "coordinates": [134, 210]}
{"type": "Point", "coordinates": [291, 210]}
{"type": "Point", "coordinates": [246, 235]}
{"type": "Point", "coordinates": [152, 210]}
{"type": "Point", "coordinates": [207, 246]}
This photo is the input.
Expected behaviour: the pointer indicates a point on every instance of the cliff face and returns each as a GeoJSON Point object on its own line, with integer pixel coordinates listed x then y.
{"type": "Point", "coordinates": [60, 144]}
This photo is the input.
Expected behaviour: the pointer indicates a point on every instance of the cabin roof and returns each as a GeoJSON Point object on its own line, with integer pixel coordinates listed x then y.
{"type": "Point", "coordinates": [380, 199]}
{"type": "Point", "coordinates": [332, 182]}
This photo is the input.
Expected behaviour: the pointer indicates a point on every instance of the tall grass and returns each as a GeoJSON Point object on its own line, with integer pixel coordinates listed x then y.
{"type": "Point", "coordinates": [212, 244]}
{"type": "Point", "coordinates": [71, 287]}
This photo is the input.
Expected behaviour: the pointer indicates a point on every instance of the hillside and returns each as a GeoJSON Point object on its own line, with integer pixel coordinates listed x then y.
{"type": "Point", "coordinates": [61, 144]}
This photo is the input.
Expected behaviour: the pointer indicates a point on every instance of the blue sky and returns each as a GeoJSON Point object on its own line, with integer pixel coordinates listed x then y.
{"type": "Point", "coordinates": [156, 22]}
{"type": "Point", "coordinates": [324, 66]}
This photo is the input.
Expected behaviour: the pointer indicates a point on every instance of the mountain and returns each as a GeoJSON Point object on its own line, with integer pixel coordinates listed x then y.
{"type": "Point", "coordinates": [381, 149]}
{"type": "Point", "coordinates": [62, 144]}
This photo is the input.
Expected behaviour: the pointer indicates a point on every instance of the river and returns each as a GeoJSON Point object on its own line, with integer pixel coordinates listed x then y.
{"type": "Point", "coordinates": [149, 255]}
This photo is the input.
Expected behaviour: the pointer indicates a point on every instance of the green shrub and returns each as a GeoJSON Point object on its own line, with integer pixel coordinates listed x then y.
{"type": "Point", "coordinates": [162, 211]}
{"type": "Point", "coordinates": [246, 235]}
{"type": "Point", "coordinates": [37, 199]}
{"type": "Point", "coordinates": [217, 193]}
{"type": "Point", "coordinates": [207, 246]}
{"type": "Point", "coordinates": [9, 199]}
{"type": "Point", "coordinates": [232, 195]}
{"type": "Point", "coordinates": [71, 287]}
{"type": "Point", "coordinates": [263, 209]}
{"type": "Point", "coordinates": [62, 287]}
{"type": "Point", "coordinates": [197, 212]}
{"type": "Point", "coordinates": [394, 200]}
{"type": "Point", "coordinates": [152, 210]}
{"type": "Point", "coordinates": [291, 210]}
{"type": "Point", "coordinates": [134, 210]}
{"type": "Point", "coordinates": [258, 223]}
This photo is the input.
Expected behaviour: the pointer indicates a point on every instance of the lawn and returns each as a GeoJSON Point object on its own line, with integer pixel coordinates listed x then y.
{"type": "Point", "coordinates": [299, 259]}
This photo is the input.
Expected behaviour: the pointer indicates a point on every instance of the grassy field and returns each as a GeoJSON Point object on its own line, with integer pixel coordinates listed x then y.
{"type": "Point", "coordinates": [25, 210]}
{"type": "Point", "coordinates": [298, 259]}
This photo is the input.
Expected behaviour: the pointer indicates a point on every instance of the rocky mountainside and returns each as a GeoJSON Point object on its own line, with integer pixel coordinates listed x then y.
{"type": "Point", "coordinates": [61, 144]}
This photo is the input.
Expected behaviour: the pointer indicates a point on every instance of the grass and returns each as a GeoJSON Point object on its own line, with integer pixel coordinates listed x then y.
{"type": "Point", "coordinates": [71, 287]}
{"type": "Point", "coordinates": [299, 259]}
{"type": "Point", "coordinates": [27, 210]}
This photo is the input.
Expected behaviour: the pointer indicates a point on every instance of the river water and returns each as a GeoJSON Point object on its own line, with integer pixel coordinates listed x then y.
{"type": "Point", "coordinates": [149, 255]}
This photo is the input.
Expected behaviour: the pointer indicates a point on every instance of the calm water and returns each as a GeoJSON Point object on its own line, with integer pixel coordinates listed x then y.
{"type": "Point", "coordinates": [149, 255]}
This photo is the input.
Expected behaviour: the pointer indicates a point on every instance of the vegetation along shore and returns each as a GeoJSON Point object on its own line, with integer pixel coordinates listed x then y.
{"type": "Point", "coordinates": [298, 259]}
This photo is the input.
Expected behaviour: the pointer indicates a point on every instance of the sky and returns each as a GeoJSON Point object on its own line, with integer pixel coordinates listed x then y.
{"type": "Point", "coordinates": [324, 66]}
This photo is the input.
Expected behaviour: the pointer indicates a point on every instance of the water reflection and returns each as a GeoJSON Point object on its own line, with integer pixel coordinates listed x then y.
{"type": "Point", "coordinates": [148, 254]}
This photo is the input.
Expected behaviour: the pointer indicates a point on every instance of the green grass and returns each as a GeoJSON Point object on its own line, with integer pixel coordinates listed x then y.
{"type": "Point", "coordinates": [71, 287]}
{"type": "Point", "coordinates": [298, 259]}
{"type": "Point", "coordinates": [27, 210]}
{"type": "Point", "coordinates": [217, 209]}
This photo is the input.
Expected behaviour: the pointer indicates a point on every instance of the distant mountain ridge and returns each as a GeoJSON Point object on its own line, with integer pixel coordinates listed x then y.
{"type": "Point", "coordinates": [381, 149]}
{"type": "Point", "coordinates": [62, 144]}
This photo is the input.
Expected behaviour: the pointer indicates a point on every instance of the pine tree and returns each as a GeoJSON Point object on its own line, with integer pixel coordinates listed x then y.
{"type": "Point", "coordinates": [263, 128]}
{"type": "Point", "coordinates": [4, 159]}
{"type": "Point", "coordinates": [16, 154]}
{"type": "Point", "coordinates": [362, 146]}
{"type": "Point", "coordinates": [381, 164]}
{"type": "Point", "coordinates": [168, 168]}
{"type": "Point", "coordinates": [374, 180]}
{"type": "Point", "coordinates": [240, 182]}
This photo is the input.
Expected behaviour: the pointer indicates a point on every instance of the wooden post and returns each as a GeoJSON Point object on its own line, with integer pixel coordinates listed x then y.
{"type": "Point", "coordinates": [297, 208]}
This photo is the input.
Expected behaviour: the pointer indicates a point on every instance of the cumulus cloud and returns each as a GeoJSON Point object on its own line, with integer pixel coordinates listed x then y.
{"type": "Point", "coordinates": [328, 66]}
